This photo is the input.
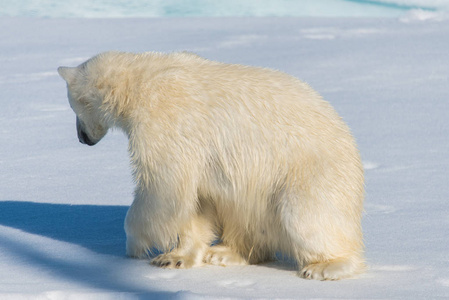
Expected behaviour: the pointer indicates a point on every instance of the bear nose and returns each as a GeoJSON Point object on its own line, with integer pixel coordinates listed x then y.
{"type": "Point", "coordinates": [84, 138]}
{"type": "Point", "coordinates": [82, 135]}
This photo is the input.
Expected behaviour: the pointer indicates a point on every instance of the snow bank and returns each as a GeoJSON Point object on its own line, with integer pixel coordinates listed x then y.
{"type": "Point", "coordinates": [413, 4]}
{"type": "Point", "coordinates": [418, 15]}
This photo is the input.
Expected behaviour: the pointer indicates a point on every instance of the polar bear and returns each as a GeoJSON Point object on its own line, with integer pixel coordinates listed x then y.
{"type": "Point", "coordinates": [251, 157]}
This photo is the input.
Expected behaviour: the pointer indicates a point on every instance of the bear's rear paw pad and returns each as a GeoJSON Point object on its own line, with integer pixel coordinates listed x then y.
{"type": "Point", "coordinates": [331, 270]}
{"type": "Point", "coordinates": [172, 261]}
{"type": "Point", "coordinates": [223, 256]}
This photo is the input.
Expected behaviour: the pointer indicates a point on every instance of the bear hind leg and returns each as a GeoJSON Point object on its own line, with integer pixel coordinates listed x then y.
{"type": "Point", "coordinates": [334, 269]}
{"type": "Point", "coordinates": [326, 245]}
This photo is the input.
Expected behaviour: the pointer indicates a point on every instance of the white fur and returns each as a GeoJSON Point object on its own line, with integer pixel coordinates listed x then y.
{"type": "Point", "coordinates": [251, 156]}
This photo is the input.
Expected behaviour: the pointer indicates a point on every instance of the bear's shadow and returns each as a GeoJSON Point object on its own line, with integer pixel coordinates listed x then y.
{"type": "Point", "coordinates": [97, 228]}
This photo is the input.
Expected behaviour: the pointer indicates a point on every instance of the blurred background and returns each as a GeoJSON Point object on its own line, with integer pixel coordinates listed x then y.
{"type": "Point", "coordinates": [214, 8]}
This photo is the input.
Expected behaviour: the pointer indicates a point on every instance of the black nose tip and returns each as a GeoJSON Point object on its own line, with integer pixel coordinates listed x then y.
{"type": "Point", "coordinates": [84, 138]}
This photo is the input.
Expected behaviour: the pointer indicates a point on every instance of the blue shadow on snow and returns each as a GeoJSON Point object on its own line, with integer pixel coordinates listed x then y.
{"type": "Point", "coordinates": [97, 228]}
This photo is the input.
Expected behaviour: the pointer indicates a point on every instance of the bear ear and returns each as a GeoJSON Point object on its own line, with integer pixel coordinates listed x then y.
{"type": "Point", "coordinates": [67, 73]}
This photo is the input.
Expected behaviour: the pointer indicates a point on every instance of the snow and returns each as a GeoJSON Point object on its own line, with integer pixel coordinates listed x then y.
{"type": "Point", "coordinates": [62, 204]}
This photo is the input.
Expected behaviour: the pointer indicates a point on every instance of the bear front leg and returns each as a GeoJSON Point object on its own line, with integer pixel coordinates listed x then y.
{"type": "Point", "coordinates": [221, 255]}
{"type": "Point", "coordinates": [193, 243]}
{"type": "Point", "coordinates": [152, 224]}
{"type": "Point", "coordinates": [165, 211]}
{"type": "Point", "coordinates": [138, 242]}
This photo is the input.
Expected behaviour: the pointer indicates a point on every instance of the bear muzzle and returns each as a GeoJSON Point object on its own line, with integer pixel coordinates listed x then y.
{"type": "Point", "coordinates": [82, 135]}
{"type": "Point", "coordinates": [84, 138]}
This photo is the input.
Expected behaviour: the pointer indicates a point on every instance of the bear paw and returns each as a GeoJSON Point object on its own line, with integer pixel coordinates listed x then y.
{"type": "Point", "coordinates": [331, 270]}
{"type": "Point", "coordinates": [172, 261]}
{"type": "Point", "coordinates": [223, 256]}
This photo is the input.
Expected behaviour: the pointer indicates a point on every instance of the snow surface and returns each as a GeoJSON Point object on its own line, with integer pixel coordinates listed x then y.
{"type": "Point", "coordinates": [62, 204]}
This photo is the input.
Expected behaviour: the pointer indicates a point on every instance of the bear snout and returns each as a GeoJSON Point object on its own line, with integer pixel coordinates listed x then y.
{"type": "Point", "coordinates": [82, 135]}
{"type": "Point", "coordinates": [84, 138]}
